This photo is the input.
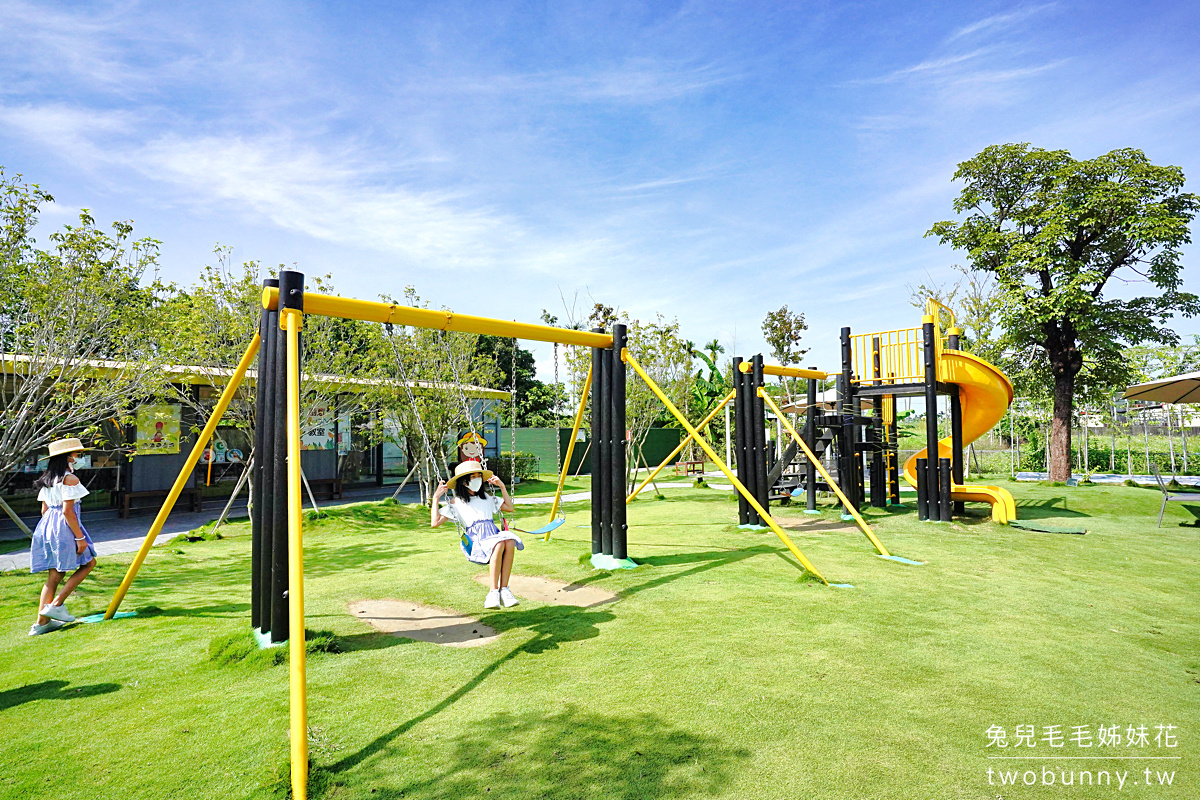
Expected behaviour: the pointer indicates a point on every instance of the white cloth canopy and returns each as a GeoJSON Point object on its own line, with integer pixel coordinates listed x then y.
{"type": "Point", "coordinates": [1176, 389]}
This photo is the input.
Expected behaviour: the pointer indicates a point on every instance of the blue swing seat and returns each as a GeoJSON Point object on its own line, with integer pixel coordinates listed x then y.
{"type": "Point", "coordinates": [542, 531]}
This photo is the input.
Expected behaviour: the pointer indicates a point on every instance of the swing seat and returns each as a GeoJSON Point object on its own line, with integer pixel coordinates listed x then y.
{"type": "Point", "coordinates": [542, 531]}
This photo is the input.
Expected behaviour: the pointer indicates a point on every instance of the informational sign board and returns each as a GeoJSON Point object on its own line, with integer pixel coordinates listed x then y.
{"type": "Point", "coordinates": [318, 429]}
{"type": "Point", "coordinates": [344, 443]}
{"type": "Point", "coordinates": [158, 429]}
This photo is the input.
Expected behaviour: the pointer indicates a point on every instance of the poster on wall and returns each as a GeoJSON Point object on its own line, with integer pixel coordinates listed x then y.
{"type": "Point", "coordinates": [158, 429]}
{"type": "Point", "coordinates": [318, 429]}
{"type": "Point", "coordinates": [344, 439]}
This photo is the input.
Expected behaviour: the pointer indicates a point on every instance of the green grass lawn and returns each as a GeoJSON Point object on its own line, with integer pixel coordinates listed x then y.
{"type": "Point", "coordinates": [722, 671]}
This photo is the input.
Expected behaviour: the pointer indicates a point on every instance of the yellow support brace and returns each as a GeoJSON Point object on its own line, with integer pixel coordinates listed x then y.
{"type": "Point", "coordinates": [703, 424]}
{"type": "Point", "coordinates": [687, 426]}
{"type": "Point", "coordinates": [189, 465]}
{"type": "Point", "coordinates": [298, 689]}
{"type": "Point", "coordinates": [809, 453]}
{"type": "Point", "coordinates": [566, 467]}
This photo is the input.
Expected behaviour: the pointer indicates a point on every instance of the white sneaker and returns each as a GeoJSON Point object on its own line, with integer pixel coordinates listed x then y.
{"type": "Point", "coordinates": [492, 600]}
{"type": "Point", "coordinates": [59, 613]}
{"type": "Point", "coordinates": [508, 598]}
{"type": "Point", "coordinates": [38, 630]}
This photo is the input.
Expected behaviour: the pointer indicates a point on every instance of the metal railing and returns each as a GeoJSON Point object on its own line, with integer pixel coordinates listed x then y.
{"type": "Point", "coordinates": [900, 353]}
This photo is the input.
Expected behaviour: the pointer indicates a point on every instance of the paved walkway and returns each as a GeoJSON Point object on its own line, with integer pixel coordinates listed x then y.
{"type": "Point", "coordinates": [1146, 480]}
{"type": "Point", "coordinates": [115, 535]}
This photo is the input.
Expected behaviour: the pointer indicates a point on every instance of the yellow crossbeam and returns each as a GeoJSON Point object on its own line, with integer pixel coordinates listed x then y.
{"type": "Point", "coordinates": [703, 424]}
{"type": "Point", "coordinates": [820, 468]}
{"type": "Point", "coordinates": [762, 512]}
{"type": "Point", "coordinates": [348, 308]}
{"type": "Point", "coordinates": [785, 372]}
{"type": "Point", "coordinates": [177, 488]}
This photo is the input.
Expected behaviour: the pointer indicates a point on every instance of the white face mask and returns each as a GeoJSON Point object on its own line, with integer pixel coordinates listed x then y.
{"type": "Point", "coordinates": [475, 483]}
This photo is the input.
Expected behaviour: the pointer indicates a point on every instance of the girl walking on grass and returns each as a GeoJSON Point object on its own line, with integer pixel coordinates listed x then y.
{"type": "Point", "coordinates": [60, 542]}
{"type": "Point", "coordinates": [482, 542]}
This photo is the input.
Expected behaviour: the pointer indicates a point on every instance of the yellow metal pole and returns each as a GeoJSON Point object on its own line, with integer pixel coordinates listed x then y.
{"type": "Point", "coordinates": [703, 424]}
{"type": "Point", "coordinates": [329, 306]}
{"type": "Point", "coordinates": [762, 512]}
{"type": "Point", "coordinates": [785, 372]}
{"type": "Point", "coordinates": [292, 320]}
{"type": "Point", "coordinates": [222, 404]}
{"type": "Point", "coordinates": [562, 478]}
{"type": "Point", "coordinates": [833, 484]}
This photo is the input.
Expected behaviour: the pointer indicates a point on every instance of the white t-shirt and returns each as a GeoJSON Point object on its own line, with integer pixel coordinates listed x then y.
{"type": "Point", "coordinates": [56, 494]}
{"type": "Point", "coordinates": [474, 510]}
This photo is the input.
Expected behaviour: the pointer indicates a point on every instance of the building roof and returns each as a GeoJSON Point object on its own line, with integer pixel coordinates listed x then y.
{"type": "Point", "coordinates": [11, 363]}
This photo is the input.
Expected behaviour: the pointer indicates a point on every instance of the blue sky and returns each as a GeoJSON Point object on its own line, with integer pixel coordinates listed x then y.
{"type": "Point", "coordinates": [710, 161]}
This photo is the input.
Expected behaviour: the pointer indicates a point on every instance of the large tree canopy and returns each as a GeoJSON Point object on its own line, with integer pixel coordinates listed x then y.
{"type": "Point", "coordinates": [1054, 231]}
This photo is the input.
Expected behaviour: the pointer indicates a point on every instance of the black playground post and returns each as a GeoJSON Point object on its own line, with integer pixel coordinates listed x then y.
{"type": "Point", "coordinates": [810, 438]}
{"type": "Point", "coordinates": [931, 417]}
{"type": "Point", "coordinates": [944, 504]}
{"type": "Point", "coordinates": [618, 455]}
{"type": "Point", "coordinates": [743, 461]}
{"type": "Point", "coordinates": [759, 435]}
{"type": "Point", "coordinates": [922, 469]}
{"type": "Point", "coordinates": [291, 294]}
{"type": "Point", "coordinates": [956, 426]}
{"type": "Point", "coordinates": [598, 407]}
{"type": "Point", "coordinates": [748, 450]}
{"type": "Point", "coordinates": [847, 468]}
{"type": "Point", "coordinates": [264, 448]}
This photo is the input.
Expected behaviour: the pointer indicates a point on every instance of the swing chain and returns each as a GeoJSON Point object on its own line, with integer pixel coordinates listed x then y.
{"type": "Point", "coordinates": [412, 399]}
{"type": "Point", "coordinates": [462, 395]}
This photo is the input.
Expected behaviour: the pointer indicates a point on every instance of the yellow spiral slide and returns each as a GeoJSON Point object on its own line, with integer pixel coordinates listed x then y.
{"type": "Point", "coordinates": [985, 395]}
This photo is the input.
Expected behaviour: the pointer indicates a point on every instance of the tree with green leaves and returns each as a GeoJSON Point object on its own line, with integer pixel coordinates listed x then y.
{"type": "Point", "coordinates": [537, 402]}
{"type": "Point", "coordinates": [74, 349]}
{"type": "Point", "coordinates": [421, 374]}
{"type": "Point", "coordinates": [783, 330]}
{"type": "Point", "coordinates": [1054, 231]}
{"type": "Point", "coordinates": [207, 326]}
{"type": "Point", "coordinates": [667, 358]}
{"type": "Point", "coordinates": [976, 300]}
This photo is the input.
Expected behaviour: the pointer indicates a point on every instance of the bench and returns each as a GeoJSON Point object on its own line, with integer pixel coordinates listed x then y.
{"type": "Point", "coordinates": [689, 467]}
{"type": "Point", "coordinates": [124, 500]}
{"type": "Point", "coordinates": [326, 488]}
{"type": "Point", "coordinates": [1171, 497]}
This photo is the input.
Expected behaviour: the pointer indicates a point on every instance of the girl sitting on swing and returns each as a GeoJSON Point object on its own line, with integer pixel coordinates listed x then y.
{"type": "Point", "coordinates": [482, 542]}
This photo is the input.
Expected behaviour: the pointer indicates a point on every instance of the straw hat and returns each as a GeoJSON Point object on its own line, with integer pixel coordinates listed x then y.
{"type": "Point", "coordinates": [472, 437]}
{"type": "Point", "coordinates": [66, 446]}
{"type": "Point", "coordinates": [468, 468]}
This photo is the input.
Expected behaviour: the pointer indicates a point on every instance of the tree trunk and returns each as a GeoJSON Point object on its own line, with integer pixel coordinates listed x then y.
{"type": "Point", "coordinates": [1060, 425]}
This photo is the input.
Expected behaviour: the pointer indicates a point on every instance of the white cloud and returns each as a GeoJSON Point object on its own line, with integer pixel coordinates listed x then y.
{"type": "Point", "coordinates": [1000, 20]}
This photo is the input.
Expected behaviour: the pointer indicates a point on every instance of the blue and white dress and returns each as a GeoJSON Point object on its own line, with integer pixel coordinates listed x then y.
{"type": "Point", "coordinates": [479, 532]}
{"type": "Point", "coordinates": [53, 545]}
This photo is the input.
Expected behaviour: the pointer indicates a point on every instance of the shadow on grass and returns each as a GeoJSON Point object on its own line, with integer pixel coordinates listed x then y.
{"type": "Point", "coordinates": [52, 690]}
{"type": "Point", "coordinates": [568, 753]}
{"type": "Point", "coordinates": [552, 625]}
{"type": "Point", "coordinates": [222, 610]}
{"type": "Point", "coordinates": [1044, 509]}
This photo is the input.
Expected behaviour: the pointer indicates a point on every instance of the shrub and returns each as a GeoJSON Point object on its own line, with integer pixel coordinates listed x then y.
{"type": "Point", "coordinates": [526, 466]}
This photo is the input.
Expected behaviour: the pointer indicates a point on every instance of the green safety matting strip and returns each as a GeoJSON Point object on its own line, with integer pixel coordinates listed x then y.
{"type": "Point", "coordinates": [601, 561]}
{"type": "Point", "coordinates": [100, 617]}
{"type": "Point", "coordinates": [1026, 525]}
{"type": "Point", "coordinates": [903, 560]}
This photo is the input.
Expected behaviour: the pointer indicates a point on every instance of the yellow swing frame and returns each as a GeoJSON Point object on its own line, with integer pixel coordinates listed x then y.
{"type": "Point", "coordinates": [291, 321]}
